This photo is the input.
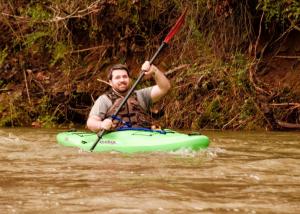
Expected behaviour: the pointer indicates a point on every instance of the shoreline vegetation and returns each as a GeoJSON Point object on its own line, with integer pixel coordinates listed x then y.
{"type": "Point", "coordinates": [235, 65]}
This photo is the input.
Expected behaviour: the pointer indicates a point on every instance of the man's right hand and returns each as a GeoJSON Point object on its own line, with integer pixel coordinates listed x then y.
{"type": "Point", "coordinates": [106, 124]}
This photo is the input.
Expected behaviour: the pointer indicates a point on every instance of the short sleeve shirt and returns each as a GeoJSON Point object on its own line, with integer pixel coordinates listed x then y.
{"type": "Point", "coordinates": [103, 103]}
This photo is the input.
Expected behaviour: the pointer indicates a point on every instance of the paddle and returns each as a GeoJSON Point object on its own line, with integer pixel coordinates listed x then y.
{"type": "Point", "coordinates": [172, 32]}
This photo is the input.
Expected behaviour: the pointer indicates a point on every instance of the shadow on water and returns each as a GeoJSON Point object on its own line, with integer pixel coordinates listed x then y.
{"type": "Point", "coordinates": [241, 172]}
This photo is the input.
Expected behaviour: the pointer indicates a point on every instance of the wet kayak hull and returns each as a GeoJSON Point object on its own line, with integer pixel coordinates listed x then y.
{"type": "Point", "coordinates": [131, 141]}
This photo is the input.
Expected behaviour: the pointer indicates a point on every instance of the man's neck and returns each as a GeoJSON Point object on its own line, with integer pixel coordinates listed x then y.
{"type": "Point", "coordinates": [121, 94]}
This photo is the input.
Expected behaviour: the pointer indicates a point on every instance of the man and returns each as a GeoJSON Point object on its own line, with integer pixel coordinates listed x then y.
{"type": "Point", "coordinates": [134, 112]}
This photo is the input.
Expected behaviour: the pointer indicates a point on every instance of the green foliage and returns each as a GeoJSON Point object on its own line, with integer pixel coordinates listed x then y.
{"type": "Point", "coordinates": [10, 115]}
{"type": "Point", "coordinates": [59, 52]}
{"type": "Point", "coordinates": [47, 120]}
{"type": "Point", "coordinates": [212, 114]}
{"type": "Point", "coordinates": [214, 106]}
{"type": "Point", "coordinates": [34, 37]}
{"type": "Point", "coordinates": [44, 105]}
{"type": "Point", "coordinates": [242, 77]}
{"type": "Point", "coordinates": [198, 41]}
{"type": "Point", "coordinates": [37, 37]}
{"type": "Point", "coordinates": [280, 11]}
{"type": "Point", "coordinates": [44, 109]}
{"type": "Point", "coordinates": [38, 13]}
{"type": "Point", "coordinates": [238, 67]}
{"type": "Point", "coordinates": [292, 12]}
{"type": "Point", "coordinates": [248, 109]}
{"type": "Point", "coordinates": [3, 55]}
{"type": "Point", "coordinates": [272, 9]}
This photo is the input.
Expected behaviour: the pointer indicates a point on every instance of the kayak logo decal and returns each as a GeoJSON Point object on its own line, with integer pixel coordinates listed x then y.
{"type": "Point", "coordinates": [112, 142]}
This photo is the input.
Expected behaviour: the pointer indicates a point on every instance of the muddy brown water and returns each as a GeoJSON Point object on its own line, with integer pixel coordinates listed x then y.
{"type": "Point", "coordinates": [241, 172]}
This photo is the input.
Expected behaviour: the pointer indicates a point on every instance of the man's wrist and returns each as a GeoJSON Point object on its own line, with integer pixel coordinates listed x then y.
{"type": "Point", "coordinates": [153, 74]}
{"type": "Point", "coordinates": [155, 70]}
{"type": "Point", "coordinates": [99, 125]}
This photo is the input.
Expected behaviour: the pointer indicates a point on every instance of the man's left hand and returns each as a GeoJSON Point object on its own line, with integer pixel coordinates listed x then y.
{"type": "Point", "coordinates": [149, 69]}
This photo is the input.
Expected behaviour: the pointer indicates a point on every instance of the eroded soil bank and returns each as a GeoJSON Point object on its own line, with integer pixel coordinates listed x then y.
{"type": "Point", "coordinates": [232, 66]}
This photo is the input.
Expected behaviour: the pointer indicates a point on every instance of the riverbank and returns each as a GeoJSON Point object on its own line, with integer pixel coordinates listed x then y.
{"type": "Point", "coordinates": [230, 67]}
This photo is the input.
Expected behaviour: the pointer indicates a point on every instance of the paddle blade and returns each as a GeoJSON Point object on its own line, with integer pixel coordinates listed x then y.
{"type": "Point", "coordinates": [176, 27]}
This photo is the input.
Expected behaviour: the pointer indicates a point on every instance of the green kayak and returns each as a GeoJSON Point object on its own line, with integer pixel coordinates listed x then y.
{"type": "Point", "coordinates": [130, 141]}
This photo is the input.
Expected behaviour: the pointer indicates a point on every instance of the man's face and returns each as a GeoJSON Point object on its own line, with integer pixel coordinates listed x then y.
{"type": "Point", "coordinates": [120, 80]}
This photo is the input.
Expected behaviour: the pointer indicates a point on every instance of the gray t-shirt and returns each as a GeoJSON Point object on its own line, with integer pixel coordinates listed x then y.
{"type": "Point", "coordinates": [103, 103]}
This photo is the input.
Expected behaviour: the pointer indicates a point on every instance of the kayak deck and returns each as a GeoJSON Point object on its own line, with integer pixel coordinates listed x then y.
{"type": "Point", "coordinates": [131, 141]}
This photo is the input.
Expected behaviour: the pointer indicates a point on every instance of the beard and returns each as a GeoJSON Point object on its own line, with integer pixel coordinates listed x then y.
{"type": "Point", "coordinates": [123, 88]}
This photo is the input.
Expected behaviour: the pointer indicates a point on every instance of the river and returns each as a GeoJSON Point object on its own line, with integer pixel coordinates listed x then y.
{"type": "Point", "coordinates": [241, 172]}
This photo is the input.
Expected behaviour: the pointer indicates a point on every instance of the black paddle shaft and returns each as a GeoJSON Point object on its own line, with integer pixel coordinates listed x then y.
{"type": "Point", "coordinates": [142, 73]}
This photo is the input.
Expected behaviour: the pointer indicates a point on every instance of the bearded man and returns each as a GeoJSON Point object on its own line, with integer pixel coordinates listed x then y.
{"type": "Point", "coordinates": [135, 113]}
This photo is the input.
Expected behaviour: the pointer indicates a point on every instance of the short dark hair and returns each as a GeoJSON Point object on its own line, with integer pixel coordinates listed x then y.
{"type": "Point", "coordinates": [118, 67]}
